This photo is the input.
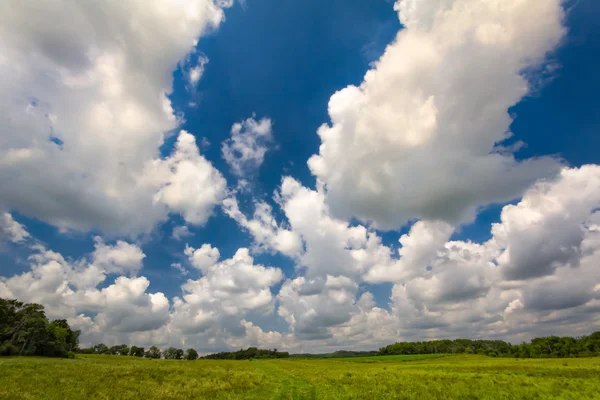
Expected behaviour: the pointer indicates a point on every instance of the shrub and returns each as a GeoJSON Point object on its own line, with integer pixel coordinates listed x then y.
{"type": "Point", "coordinates": [8, 349]}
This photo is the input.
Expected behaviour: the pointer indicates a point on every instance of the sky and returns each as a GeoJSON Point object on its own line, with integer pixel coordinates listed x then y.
{"type": "Point", "coordinates": [308, 176]}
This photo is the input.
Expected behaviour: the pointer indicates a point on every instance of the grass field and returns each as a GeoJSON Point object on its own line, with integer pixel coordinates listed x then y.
{"type": "Point", "coordinates": [391, 377]}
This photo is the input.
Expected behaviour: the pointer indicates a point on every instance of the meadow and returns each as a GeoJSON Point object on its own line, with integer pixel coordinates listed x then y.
{"type": "Point", "coordinates": [382, 377]}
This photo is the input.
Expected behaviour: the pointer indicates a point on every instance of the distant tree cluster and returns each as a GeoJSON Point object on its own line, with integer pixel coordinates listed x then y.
{"type": "Point", "coordinates": [25, 330]}
{"type": "Point", "coordinates": [249, 353]}
{"type": "Point", "coordinates": [337, 354]}
{"type": "Point", "coordinates": [552, 346]}
{"type": "Point", "coordinates": [171, 353]}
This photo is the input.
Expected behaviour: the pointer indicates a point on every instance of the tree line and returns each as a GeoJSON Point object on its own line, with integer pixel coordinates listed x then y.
{"type": "Point", "coordinates": [171, 353]}
{"type": "Point", "coordinates": [551, 346]}
{"type": "Point", "coordinates": [337, 354]}
{"type": "Point", "coordinates": [25, 330]}
{"type": "Point", "coordinates": [247, 354]}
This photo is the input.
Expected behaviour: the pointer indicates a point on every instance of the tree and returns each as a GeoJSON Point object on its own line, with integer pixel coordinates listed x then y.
{"type": "Point", "coordinates": [179, 354]}
{"type": "Point", "coordinates": [72, 337]}
{"type": "Point", "coordinates": [173, 354]}
{"type": "Point", "coordinates": [101, 349]}
{"type": "Point", "coordinates": [136, 351]}
{"type": "Point", "coordinates": [191, 354]}
{"type": "Point", "coordinates": [25, 330]}
{"type": "Point", "coordinates": [120, 349]}
{"type": "Point", "coordinates": [249, 353]}
{"type": "Point", "coordinates": [31, 334]}
{"type": "Point", "coordinates": [153, 352]}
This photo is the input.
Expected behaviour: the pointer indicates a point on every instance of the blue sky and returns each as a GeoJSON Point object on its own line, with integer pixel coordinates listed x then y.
{"type": "Point", "coordinates": [283, 61]}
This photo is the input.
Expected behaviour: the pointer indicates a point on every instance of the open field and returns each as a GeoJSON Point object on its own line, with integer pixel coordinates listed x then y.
{"type": "Point", "coordinates": [390, 377]}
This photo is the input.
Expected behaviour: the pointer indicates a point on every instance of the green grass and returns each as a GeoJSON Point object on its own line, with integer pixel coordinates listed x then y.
{"type": "Point", "coordinates": [390, 359]}
{"type": "Point", "coordinates": [392, 377]}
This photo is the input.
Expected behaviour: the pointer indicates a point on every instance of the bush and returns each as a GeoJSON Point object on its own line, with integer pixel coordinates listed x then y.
{"type": "Point", "coordinates": [8, 349]}
{"type": "Point", "coordinates": [70, 354]}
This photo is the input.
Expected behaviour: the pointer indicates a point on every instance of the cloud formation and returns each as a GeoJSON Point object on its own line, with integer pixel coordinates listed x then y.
{"type": "Point", "coordinates": [422, 136]}
{"type": "Point", "coordinates": [245, 150]}
{"type": "Point", "coordinates": [187, 183]}
{"type": "Point", "coordinates": [11, 230]}
{"type": "Point", "coordinates": [86, 108]}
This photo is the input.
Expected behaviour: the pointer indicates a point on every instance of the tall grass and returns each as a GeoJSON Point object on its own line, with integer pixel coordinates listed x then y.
{"type": "Point", "coordinates": [393, 377]}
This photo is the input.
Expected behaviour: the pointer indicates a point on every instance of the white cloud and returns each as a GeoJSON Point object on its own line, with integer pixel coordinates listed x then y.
{"type": "Point", "coordinates": [468, 289]}
{"type": "Point", "coordinates": [228, 290]}
{"type": "Point", "coordinates": [255, 336]}
{"type": "Point", "coordinates": [68, 289]}
{"type": "Point", "coordinates": [546, 228]}
{"type": "Point", "coordinates": [419, 249]}
{"type": "Point", "coordinates": [195, 73]}
{"type": "Point", "coordinates": [267, 234]}
{"type": "Point", "coordinates": [203, 258]}
{"type": "Point", "coordinates": [122, 258]}
{"type": "Point", "coordinates": [417, 138]}
{"type": "Point", "coordinates": [97, 87]}
{"type": "Point", "coordinates": [310, 313]}
{"type": "Point", "coordinates": [328, 242]}
{"type": "Point", "coordinates": [513, 285]}
{"type": "Point", "coordinates": [181, 232]}
{"type": "Point", "coordinates": [179, 268]}
{"type": "Point", "coordinates": [315, 240]}
{"type": "Point", "coordinates": [188, 182]}
{"type": "Point", "coordinates": [12, 230]}
{"type": "Point", "coordinates": [442, 288]}
{"type": "Point", "coordinates": [245, 150]}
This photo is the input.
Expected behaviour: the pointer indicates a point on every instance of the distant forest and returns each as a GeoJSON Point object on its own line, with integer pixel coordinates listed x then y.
{"type": "Point", "coordinates": [337, 354]}
{"type": "Point", "coordinates": [25, 330]}
{"type": "Point", "coordinates": [551, 346]}
{"type": "Point", "coordinates": [248, 354]}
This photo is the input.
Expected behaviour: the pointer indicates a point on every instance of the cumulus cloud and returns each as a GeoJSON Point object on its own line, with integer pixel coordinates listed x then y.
{"type": "Point", "coordinates": [189, 184]}
{"type": "Point", "coordinates": [69, 289]}
{"type": "Point", "coordinates": [418, 137]}
{"type": "Point", "coordinates": [245, 150]}
{"type": "Point", "coordinates": [511, 286]}
{"type": "Point", "coordinates": [212, 307]}
{"type": "Point", "coordinates": [203, 258]}
{"type": "Point", "coordinates": [442, 287]}
{"type": "Point", "coordinates": [86, 108]}
{"type": "Point", "coordinates": [11, 230]}
{"type": "Point", "coordinates": [267, 233]}
{"type": "Point", "coordinates": [328, 242]}
{"type": "Point", "coordinates": [311, 313]}
{"type": "Point", "coordinates": [419, 249]}
{"type": "Point", "coordinates": [229, 289]}
{"type": "Point", "coordinates": [122, 258]}
{"type": "Point", "coordinates": [546, 228]}
{"type": "Point", "coordinates": [325, 245]}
